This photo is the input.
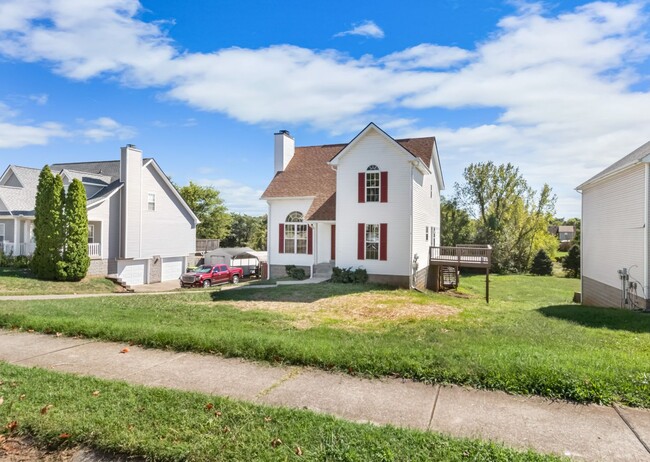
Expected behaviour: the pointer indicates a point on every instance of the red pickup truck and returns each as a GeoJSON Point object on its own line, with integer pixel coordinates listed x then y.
{"type": "Point", "coordinates": [206, 276]}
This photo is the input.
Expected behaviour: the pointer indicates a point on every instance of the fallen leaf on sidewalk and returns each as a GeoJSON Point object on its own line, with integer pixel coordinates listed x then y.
{"type": "Point", "coordinates": [46, 408]}
{"type": "Point", "coordinates": [59, 334]}
{"type": "Point", "coordinates": [124, 350]}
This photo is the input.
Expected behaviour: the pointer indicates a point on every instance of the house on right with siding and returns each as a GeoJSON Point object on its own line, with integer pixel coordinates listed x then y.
{"type": "Point", "coordinates": [614, 237]}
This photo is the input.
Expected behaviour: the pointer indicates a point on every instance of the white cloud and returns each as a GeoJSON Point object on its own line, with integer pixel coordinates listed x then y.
{"type": "Point", "coordinates": [426, 55]}
{"type": "Point", "coordinates": [40, 98]}
{"type": "Point", "coordinates": [238, 197]}
{"type": "Point", "coordinates": [563, 84]}
{"type": "Point", "coordinates": [98, 130]}
{"type": "Point", "coordinates": [17, 136]}
{"type": "Point", "coordinates": [366, 28]}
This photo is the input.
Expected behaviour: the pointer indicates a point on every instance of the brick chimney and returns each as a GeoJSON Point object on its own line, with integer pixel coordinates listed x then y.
{"type": "Point", "coordinates": [285, 147]}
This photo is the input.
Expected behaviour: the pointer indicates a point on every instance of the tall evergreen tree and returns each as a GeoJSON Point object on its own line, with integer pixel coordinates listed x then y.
{"type": "Point", "coordinates": [47, 225]}
{"type": "Point", "coordinates": [75, 262]}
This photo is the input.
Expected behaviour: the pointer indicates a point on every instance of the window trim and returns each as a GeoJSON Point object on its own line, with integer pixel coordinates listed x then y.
{"type": "Point", "coordinates": [91, 236]}
{"type": "Point", "coordinates": [151, 204]}
{"type": "Point", "coordinates": [3, 235]}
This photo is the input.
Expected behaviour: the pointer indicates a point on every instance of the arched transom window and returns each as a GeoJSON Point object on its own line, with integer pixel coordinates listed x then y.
{"type": "Point", "coordinates": [294, 217]}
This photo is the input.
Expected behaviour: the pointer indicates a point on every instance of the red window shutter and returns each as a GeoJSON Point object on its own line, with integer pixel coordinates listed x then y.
{"type": "Point", "coordinates": [310, 240]}
{"type": "Point", "coordinates": [383, 194]}
{"type": "Point", "coordinates": [383, 241]}
{"type": "Point", "coordinates": [361, 241]}
{"type": "Point", "coordinates": [333, 247]}
{"type": "Point", "coordinates": [281, 243]}
{"type": "Point", "coordinates": [362, 187]}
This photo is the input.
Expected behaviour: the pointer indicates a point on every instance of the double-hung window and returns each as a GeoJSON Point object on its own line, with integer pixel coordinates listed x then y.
{"type": "Point", "coordinates": [296, 234]}
{"type": "Point", "coordinates": [373, 185]}
{"type": "Point", "coordinates": [151, 202]}
{"type": "Point", "coordinates": [372, 242]}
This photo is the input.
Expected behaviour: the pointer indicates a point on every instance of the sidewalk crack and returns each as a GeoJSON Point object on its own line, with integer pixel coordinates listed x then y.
{"type": "Point", "coordinates": [433, 408]}
{"type": "Point", "coordinates": [168, 360]}
{"type": "Point", "coordinates": [50, 352]}
{"type": "Point", "coordinates": [631, 427]}
{"type": "Point", "coordinates": [293, 372]}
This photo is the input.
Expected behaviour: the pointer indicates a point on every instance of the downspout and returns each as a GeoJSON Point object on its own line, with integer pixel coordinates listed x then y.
{"type": "Point", "coordinates": [646, 216]}
{"type": "Point", "coordinates": [582, 240]}
{"type": "Point", "coordinates": [411, 270]}
{"type": "Point", "coordinates": [268, 243]}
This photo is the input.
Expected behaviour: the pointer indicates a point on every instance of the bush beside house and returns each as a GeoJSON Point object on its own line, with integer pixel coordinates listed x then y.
{"type": "Point", "coordinates": [60, 229]}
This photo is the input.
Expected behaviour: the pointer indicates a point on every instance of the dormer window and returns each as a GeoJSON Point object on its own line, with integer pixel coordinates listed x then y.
{"type": "Point", "coordinates": [373, 185]}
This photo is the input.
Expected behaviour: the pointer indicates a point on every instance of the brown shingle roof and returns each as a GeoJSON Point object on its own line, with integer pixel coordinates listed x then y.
{"type": "Point", "coordinates": [308, 175]}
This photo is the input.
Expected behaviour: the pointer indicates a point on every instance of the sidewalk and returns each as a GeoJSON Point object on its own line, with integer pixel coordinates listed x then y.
{"type": "Point", "coordinates": [584, 432]}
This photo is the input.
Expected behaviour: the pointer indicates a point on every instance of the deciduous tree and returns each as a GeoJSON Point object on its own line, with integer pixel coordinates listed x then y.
{"type": "Point", "coordinates": [208, 206]}
{"type": "Point", "coordinates": [510, 215]}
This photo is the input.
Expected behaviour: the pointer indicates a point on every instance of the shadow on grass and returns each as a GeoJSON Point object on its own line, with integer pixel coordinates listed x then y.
{"type": "Point", "coordinates": [304, 293]}
{"type": "Point", "coordinates": [600, 318]}
{"type": "Point", "coordinates": [21, 273]}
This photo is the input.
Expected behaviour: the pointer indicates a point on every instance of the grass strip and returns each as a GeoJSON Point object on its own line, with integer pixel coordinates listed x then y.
{"type": "Point", "coordinates": [64, 410]}
{"type": "Point", "coordinates": [528, 340]}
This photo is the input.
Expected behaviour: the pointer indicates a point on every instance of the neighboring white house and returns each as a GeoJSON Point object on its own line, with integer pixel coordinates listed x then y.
{"type": "Point", "coordinates": [371, 203]}
{"type": "Point", "coordinates": [614, 233]}
{"type": "Point", "coordinates": [140, 229]}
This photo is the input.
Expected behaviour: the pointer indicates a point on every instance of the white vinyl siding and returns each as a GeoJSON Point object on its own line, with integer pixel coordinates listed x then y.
{"type": "Point", "coordinates": [613, 227]}
{"type": "Point", "coordinates": [374, 148]}
{"type": "Point", "coordinates": [170, 231]}
{"type": "Point", "coordinates": [426, 214]}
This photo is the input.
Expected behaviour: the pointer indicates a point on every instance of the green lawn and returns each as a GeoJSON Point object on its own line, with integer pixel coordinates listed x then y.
{"type": "Point", "coordinates": [528, 340]}
{"type": "Point", "coordinates": [22, 282]}
{"type": "Point", "coordinates": [64, 410]}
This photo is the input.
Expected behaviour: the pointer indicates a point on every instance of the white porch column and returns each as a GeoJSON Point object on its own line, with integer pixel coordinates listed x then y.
{"type": "Point", "coordinates": [16, 236]}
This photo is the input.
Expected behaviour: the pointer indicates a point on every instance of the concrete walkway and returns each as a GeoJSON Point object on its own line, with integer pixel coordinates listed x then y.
{"type": "Point", "coordinates": [582, 432]}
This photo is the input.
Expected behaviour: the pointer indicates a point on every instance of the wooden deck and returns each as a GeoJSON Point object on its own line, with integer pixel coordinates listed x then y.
{"type": "Point", "coordinates": [465, 256]}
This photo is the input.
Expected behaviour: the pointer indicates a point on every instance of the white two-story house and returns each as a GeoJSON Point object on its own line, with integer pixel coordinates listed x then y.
{"type": "Point", "coordinates": [140, 229]}
{"type": "Point", "coordinates": [372, 203]}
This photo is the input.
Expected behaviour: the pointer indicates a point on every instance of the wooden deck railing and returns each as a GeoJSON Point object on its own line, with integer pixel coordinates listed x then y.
{"type": "Point", "coordinates": [462, 255]}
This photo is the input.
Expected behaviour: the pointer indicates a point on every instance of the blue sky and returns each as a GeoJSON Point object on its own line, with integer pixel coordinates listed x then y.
{"type": "Point", "coordinates": [559, 89]}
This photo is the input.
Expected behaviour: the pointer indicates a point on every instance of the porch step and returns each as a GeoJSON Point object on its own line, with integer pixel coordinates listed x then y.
{"type": "Point", "coordinates": [115, 278]}
{"type": "Point", "coordinates": [323, 270]}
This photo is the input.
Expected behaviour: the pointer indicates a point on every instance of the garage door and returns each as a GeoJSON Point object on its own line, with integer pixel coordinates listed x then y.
{"type": "Point", "coordinates": [132, 272]}
{"type": "Point", "coordinates": [172, 268]}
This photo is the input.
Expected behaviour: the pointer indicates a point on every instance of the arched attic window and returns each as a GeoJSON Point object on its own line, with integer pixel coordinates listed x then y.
{"type": "Point", "coordinates": [295, 236]}
{"type": "Point", "coordinates": [294, 217]}
{"type": "Point", "coordinates": [373, 185]}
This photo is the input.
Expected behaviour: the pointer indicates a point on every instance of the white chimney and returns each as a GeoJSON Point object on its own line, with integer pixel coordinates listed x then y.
{"type": "Point", "coordinates": [132, 201]}
{"type": "Point", "coordinates": [285, 146]}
